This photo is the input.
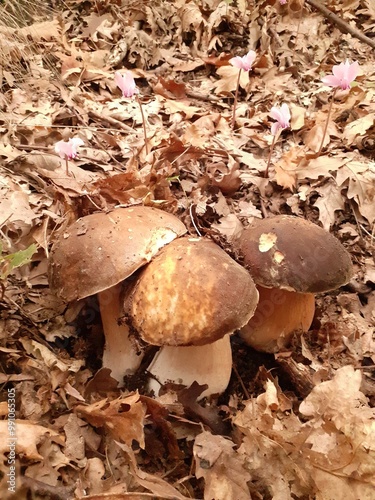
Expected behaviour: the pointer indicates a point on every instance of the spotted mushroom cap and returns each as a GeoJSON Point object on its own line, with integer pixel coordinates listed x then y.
{"type": "Point", "coordinates": [98, 251]}
{"type": "Point", "coordinates": [294, 254]}
{"type": "Point", "coordinates": [192, 293]}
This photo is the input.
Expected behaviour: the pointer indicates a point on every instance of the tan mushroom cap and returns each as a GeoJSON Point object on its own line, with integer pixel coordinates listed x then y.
{"type": "Point", "coordinates": [100, 250]}
{"type": "Point", "coordinates": [294, 254]}
{"type": "Point", "coordinates": [192, 293]}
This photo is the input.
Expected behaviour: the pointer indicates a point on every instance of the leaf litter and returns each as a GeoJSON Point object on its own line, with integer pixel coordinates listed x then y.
{"type": "Point", "coordinates": [298, 424]}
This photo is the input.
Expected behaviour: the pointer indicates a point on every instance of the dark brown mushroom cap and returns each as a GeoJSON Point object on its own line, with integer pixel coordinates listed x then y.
{"type": "Point", "coordinates": [294, 254]}
{"type": "Point", "coordinates": [100, 250]}
{"type": "Point", "coordinates": [192, 293]}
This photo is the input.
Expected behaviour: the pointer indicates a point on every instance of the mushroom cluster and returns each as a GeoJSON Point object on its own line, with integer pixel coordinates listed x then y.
{"type": "Point", "coordinates": [190, 295]}
{"type": "Point", "coordinates": [188, 300]}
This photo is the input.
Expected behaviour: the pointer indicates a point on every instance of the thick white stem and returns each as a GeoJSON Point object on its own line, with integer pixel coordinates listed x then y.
{"type": "Point", "coordinates": [119, 354]}
{"type": "Point", "coordinates": [209, 364]}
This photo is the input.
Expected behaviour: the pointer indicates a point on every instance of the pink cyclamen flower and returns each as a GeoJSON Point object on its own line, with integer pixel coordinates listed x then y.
{"type": "Point", "coordinates": [68, 149]}
{"type": "Point", "coordinates": [343, 75]}
{"type": "Point", "coordinates": [245, 63]}
{"type": "Point", "coordinates": [126, 83]}
{"type": "Point", "coordinates": [282, 116]}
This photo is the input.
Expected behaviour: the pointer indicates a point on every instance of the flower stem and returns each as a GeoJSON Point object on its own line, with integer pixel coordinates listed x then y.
{"type": "Point", "coordinates": [67, 166]}
{"type": "Point", "coordinates": [235, 100]}
{"type": "Point", "coordinates": [327, 122]}
{"type": "Point", "coordinates": [269, 156]}
{"type": "Point", "coordinates": [144, 124]}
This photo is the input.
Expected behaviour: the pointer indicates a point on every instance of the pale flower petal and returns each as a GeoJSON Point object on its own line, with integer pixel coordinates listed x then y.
{"type": "Point", "coordinates": [285, 114]}
{"type": "Point", "coordinates": [275, 113]}
{"type": "Point", "coordinates": [68, 149]}
{"type": "Point", "coordinates": [353, 71]}
{"type": "Point", "coordinates": [343, 75]}
{"type": "Point", "coordinates": [282, 116]}
{"type": "Point", "coordinates": [331, 81]}
{"type": "Point", "coordinates": [236, 62]}
{"type": "Point", "coordinates": [245, 62]}
{"type": "Point", "coordinates": [126, 83]}
{"type": "Point", "coordinates": [275, 128]}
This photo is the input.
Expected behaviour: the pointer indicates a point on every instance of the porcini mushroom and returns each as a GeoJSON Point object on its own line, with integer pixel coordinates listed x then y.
{"type": "Point", "coordinates": [188, 300]}
{"type": "Point", "coordinates": [95, 254]}
{"type": "Point", "coordinates": [290, 259]}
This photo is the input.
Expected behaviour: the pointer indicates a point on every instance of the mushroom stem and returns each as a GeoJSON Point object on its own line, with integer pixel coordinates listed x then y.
{"type": "Point", "coordinates": [278, 315]}
{"type": "Point", "coordinates": [209, 364]}
{"type": "Point", "coordinates": [119, 354]}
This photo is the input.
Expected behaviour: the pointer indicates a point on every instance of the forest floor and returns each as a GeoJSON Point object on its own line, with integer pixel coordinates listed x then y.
{"type": "Point", "coordinates": [299, 424]}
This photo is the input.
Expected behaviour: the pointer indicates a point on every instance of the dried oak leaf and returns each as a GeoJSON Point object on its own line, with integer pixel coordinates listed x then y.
{"type": "Point", "coordinates": [123, 417]}
{"type": "Point", "coordinates": [158, 486]}
{"type": "Point", "coordinates": [328, 455]}
{"type": "Point", "coordinates": [221, 467]}
{"type": "Point", "coordinates": [26, 436]}
{"type": "Point", "coordinates": [329, 202]}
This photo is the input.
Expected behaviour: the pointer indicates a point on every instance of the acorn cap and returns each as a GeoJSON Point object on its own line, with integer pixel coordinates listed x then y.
{"type": "Point", "coordinates": [100, 250]}
{"type": "Point", "coordinates": [192, 293]}
{"type": "Point", "coordinates": [293, 254]}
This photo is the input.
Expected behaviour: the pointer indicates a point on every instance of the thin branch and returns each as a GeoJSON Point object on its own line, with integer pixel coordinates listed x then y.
{"type": "Point", "coordinates": [344, 27]}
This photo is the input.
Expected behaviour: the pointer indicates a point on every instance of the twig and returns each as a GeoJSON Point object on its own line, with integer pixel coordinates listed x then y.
{"type": "Point", "coordinates": [192, 219]}
{"type": "Point", "coordinates": [344, 27]}
{"type": "Point", "coordinates": [245, 391]}
{"type": "Point", "coordinates": [235, 100]}
{"type": "Point", "coordinates": [143, 123]}
{"type": "Point", "coordinates": [270, 155]}
{"type": "Point", "coordinates": [111, 121]}
{"type": "Point", "coordinates": [327, 122]}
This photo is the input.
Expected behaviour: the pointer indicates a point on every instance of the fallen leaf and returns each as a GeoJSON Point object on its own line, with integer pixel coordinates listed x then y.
{"type": "Point", "coordinates": [151, 482]}
{"type": "Point", "coordinates": [122, 417]}
{"type": "Point", "coordinates": [27, 436]}
{"type": "Point", "coordinates": [222, 468]}
{"type": "Point", "coordinates": [331, 200]}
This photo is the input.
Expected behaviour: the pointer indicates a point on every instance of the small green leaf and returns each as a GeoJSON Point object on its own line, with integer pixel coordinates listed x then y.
{"type": "Point", "coordinates": [16, 259]}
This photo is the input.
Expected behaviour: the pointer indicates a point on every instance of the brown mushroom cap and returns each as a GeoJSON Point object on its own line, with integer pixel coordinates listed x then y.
{"type": "Point", "coordinates": [100, 250]}
{"type": "Point", "coordinates": [294, 254]}
{"type": "Point", "coordinates": [192, 293]}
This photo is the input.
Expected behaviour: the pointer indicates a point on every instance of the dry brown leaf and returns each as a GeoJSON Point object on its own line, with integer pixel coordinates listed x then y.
{"type": "Point", "coordinates": [49, 359]}
{"type": "Point", "coordinates": [38, 32]}
{"type": "Point", "coordinates": [123, 417]}
{"type": "Point", "coordinates": [185, 108]}
{"type": "Point", "coordinates": [298, 117]}
{"type": "Point", "coordinates": [47, 471]}
{"type": "Point", "coordinates": [358, 127]}
{"type": "Point", "coordinates": [313, 138]}
{"type": "Point", "coordinates": [228, 80]}
{"type": "Point", "coordinates": [285, 178]}
{"type": "Point", "coordinates": [335, 445]}
{"type": "Point", "coordinates": [360, 178]}
{"type": "Point", "coordinates": [27, 436]}
{"type": "Point", "coordinates": [222, 468]}
{"type": "Point", "coordinates": [331, 199]}
{"type": "Point", "coordinates": [154, 483]}
{"type": "Point", "coordinates": [317, 167]}
{"type": "Point", "coordinates": [226, 176]}
{"type": "Point", "coordinates": [228, 226]}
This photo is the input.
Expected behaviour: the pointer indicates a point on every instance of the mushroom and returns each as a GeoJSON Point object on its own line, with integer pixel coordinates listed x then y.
{"type": "Point", "coordinates": [95, 254]}
{"type": "Point", "coordinates": [188, 300]}
{"type": "Point", "coordinates": [290, 259]}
